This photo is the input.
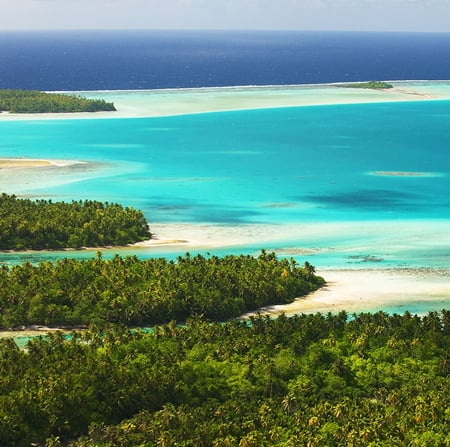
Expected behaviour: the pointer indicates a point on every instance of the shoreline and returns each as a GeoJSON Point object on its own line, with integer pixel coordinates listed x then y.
{"type": "Point", "coordinates": [353, 291]}
{"type": "Point", "coordinates": [34, 331]}
{"type": "Point", "coordinates": [352, 244]}
{"type": "Point", "coordinates": [190, 101]}
{"type": "Point", "coordinates": [357, 291]}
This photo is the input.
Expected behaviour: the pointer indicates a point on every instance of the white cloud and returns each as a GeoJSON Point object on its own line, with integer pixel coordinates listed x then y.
{"type": "Point", "coordinates": [395, 15]}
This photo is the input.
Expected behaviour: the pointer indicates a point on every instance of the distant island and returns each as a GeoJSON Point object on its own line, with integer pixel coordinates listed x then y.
{"type": "Point", "coordinates": [34, 101]}
{"type": "Point", "coordinates": [377, 85]}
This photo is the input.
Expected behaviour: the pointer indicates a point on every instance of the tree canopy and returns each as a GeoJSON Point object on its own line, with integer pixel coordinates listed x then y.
{"type": "Point", "coordinates": [310, 380]}
{"type": "Point", "coordinates": [137, 292]}
{"type": "Point", "coordinates": [43, 224]}
{"type": "Point", "coordinates": [34, 101]}
{"type": "Point", "coordinates": [380, 85]}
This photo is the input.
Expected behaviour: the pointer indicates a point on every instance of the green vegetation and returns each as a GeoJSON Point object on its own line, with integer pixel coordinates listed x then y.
{"type": "Point", "coordinates": [33, 101]}
{"type": "Point", "coordinates": [311, 380]}
{"type": "Point", "coordinates": [137, 292]}
{"type": "Point", "coordinates": [370, 84]}
{"type": "Point", "coordinates": [43, 224]}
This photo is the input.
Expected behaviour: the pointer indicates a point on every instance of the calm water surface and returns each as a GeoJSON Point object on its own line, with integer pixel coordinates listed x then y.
{"type": "Point", "coordinates": [385, 163]}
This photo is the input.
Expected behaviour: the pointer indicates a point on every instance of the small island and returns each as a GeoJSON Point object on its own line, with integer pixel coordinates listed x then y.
{"type": "Point", "coordinates": [376, 85]}
{"type": "Point", "coordinates": [34, 101]}
{"type": "Point", "coordinates": [43, 224]}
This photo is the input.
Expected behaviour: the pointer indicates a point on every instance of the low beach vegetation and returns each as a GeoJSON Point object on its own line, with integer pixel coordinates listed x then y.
{"type": "Point", "coordinates": [377, 85]}
{"type": "Point", "coordinates": [308, 380]}
{"type": "Point", "coordinates": [43, 224]}
{"type": "Point", "coordinates": [136, 292]}
{"type": "Point", "coordinates": [34, 101]}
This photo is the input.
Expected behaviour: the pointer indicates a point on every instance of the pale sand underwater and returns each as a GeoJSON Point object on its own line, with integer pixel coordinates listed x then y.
{"type": "Point", "coordinates": [375, 238]}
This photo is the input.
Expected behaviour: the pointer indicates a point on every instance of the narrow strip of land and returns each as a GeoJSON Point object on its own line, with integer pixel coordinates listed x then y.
{"type": "Point", "coordinates": [154, 103]}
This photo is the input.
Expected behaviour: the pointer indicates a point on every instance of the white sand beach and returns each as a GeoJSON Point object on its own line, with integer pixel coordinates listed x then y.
{"type": "Point", "coordinates": [14, 163]}
{"type": "Point", "coordinates": [355, 291]}
{"type": "Point", "coordinates": [10, 163]}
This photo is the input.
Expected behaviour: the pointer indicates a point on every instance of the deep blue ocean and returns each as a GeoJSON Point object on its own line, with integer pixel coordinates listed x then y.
{"type": "Point", "coordinates": [130, 60]}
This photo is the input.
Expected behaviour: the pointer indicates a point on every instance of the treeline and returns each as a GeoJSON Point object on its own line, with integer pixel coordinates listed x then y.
{"type": "Point", "coordinates": [135, 292]}
{"type": "Point", "coordinates": [43, 224]}
{"type": "Point", "coordinates": [369, 84]}
{"type": "Point", "coordinates": [34, 101]}
{"type": "Point", "coordinates": [316, 380]}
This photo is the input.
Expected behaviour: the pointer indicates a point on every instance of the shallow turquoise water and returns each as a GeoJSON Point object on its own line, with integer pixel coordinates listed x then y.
{"type": "Point", "coordinates": [284, 165]}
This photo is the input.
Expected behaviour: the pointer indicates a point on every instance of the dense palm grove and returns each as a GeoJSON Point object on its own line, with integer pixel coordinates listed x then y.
{"type": "Point", "coordinates": [311, 380]}
{"type": "Point", "coordinates": [33, 101]}
{"type": "Point", "coordinates": [43, 224]}
{"type": "Point", "coordinates": [137, 292]}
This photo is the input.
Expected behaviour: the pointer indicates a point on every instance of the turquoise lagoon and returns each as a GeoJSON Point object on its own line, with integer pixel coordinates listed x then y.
{"type": "Point", "coordinates": [345, 186]}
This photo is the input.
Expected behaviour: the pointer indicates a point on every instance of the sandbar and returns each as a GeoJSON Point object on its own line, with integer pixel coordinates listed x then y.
{"type": "Point", "coordinates": [392, 290]}
{"type": "Point", "coordinates": [405, 174]}
{"type": "Point", "coordinates": [8, 163]}
{"type": "Point", "coordinates": [14, 163]}
{"type": "Point", "coordinates": [172, 102]}
{"type": "Point", "coordinates": [388, 239]}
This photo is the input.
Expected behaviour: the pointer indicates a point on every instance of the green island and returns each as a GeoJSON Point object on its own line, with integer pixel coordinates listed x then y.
{"type": "Point", "coordinates": [377, 85]}
{"type": "Point", "coordinates": [43, 224]}
{"type": "Point", "coordinates": [34, 101]}
{"type": "Point", "coordinates": [309, 380]}
{"type": "Point", "coordinates": [135, 292]}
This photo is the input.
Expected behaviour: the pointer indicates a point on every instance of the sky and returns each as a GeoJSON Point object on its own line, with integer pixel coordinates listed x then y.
{"type": "Point", "coordinates": [352, 15]}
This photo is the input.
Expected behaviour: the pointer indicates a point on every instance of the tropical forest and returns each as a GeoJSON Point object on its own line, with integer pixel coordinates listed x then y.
{"type": "Point", "coordinates": [43, 224]}
{"type": "Point", "coordinates": [34, 101]}
{"type": "Point", "coordinates": [132, 292]}
{"type": "Point", "coordinates": [308, 380]}
{"type": "Point", "coordinates": [158, 352]}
